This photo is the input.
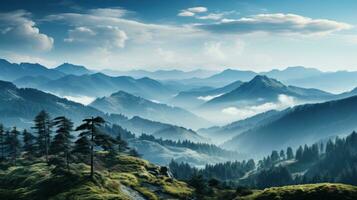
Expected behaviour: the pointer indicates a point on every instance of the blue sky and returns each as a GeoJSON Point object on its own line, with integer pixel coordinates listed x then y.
{"type": "Point", "coordinates": [132, 34]}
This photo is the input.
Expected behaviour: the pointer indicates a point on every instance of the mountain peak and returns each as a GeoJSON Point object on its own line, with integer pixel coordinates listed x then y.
{"type": "Point", "coordinates": [69, 68]}
{"type": "Point", "coordinates": [265, 81]}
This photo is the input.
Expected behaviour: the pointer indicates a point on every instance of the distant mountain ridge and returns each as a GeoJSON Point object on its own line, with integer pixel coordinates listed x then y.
{"type": "Point", "coordinates": [98, 84]}
{"type": "Point", "coordinates": [12, 71]}
{"type": "Point", "coordinates": [265, 89]}
{"type": "Point", "coordinates": [68, 68]}
{"type": "Point", "coordinates": [19, 106]}
{"type": "Point", "coordinates": [131, 105]}
{"type": "Point", "coordinates": [139, 125]}
{"type": "Point", "coordinates": [299, 125]}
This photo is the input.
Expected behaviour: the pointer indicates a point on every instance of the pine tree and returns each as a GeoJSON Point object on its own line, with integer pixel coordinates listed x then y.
{"type": "Point", "coordinates": [62, 143]}
{"type": "Point", "coordinates": [90, 130]}
{"type": "Point", "coordinates": [29, 143]}
{"type": "Point", "coordinates": [289, 153]}
{"type": "Point", "coordinates": [82, 146]}
{"type": "Point", "coordinates": [299, 153]}
{"type": "Point", "coordinates": [43, 127]}
{"type": "Point", "coordinates": [2, 142]}
{"type": "Point", "coordinates": [122, 144]}
{"type": "Point", "coordinates": [14, 146]}
{"type": "Point", "coordinates": [282, 155]}
{"type": "Point", "coordinates": [274, 156]}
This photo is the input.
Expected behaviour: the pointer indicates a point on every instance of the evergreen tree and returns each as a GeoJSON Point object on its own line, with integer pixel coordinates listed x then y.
{"type": "Point", "coordinates": [282, 155]}
{"type": "Point", "coordinates": [90, 128]}
{"type": "Point", "coordinates": [2, 142]}
{"type": "Point", "coordinates": [29, 143]}
{"type": "Point", "coordinates": [299, 153]}
{"type": "Point", "coordinates": [289, 153]}
{"type": "Point", "coordinates": [122, 144]}
{"type": "Point", "coordinates": [43, 127]}
{"type": "Point", "coordinates": [62, 143]}
{"type": "Point", "coordinates": [82, 146]}
{"type": "Point", "coordinates": [14, 146]}
{"type": "Point", "coordinates": [274, 156]}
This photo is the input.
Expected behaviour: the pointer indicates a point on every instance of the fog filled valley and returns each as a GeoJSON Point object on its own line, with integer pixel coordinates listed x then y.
{"type": "Point", "coordinates": [251, 131]}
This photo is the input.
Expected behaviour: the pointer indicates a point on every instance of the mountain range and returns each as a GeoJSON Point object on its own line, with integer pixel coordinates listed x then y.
{"type": "Point", "coordinates": [163, 74]}
{"type": "Point", "coordinates": [12, 71]}
{"type": "Point", "coordinates": [20, 105]}
{"type": "Point", "coordinates": [262, 89]}
{"type": "Point", "coordinates": [304, 124]}
{"type": "Point", "coordinates": [124, 103]}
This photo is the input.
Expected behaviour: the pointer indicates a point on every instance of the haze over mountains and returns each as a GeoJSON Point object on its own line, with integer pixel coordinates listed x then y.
{"type": "Point", "coordinates": [130, 105]}
{"type": "Point", "coordinates": [171, 107]}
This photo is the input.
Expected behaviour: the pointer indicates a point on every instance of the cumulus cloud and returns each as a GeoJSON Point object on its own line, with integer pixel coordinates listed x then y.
{"type": "Point", "coordinates": [189, 12]}
{"type": "Point", "coordinates": [135, 30]}
{"type": "Point", "coordinates": [18, 30]}
{"type": "Point", "coordinates": [276, 23]}
{"type": "Point", "coordinates": [103, 36]}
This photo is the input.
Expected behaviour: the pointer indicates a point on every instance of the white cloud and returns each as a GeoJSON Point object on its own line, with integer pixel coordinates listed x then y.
{"type": "Point", "coordinates": [109, 12]}
{"type": "Point", "coordinates": [102, 36]}
{"type": "Point", "coordinates": [185, 13]}
{"type": "Point", "coordinates": [214, 50]}
{"type": "Point", "coordinates": [276, 23]}
{"type": "Point", "coordinates": [190, 12]}
{"type": "Point", "coordinates": [212, 16]}
{"type": "Point", "coordinates": [166, 55]}
{"type": "Point", "coordinates": [18, 30]}
{"type": "Point", "coordinates": [198, 9]}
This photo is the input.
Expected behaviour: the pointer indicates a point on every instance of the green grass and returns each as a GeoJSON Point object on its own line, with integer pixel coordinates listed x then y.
{"type": "Point", "coordinates": [35, 181]}
{"type": "Point", "coordinates": [322, 191]}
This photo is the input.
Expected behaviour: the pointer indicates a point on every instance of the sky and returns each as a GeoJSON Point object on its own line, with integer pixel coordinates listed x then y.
{"type": "Point", "coordinates": [254, 35]}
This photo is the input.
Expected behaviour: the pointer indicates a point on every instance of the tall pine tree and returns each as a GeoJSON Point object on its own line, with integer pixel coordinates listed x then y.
{"type": "Point", "coordinates": [29, 143]}
{"type": "Point", "coordinates": [2, 142]}
{"type": "Point", "coordinates": [90, 130]}
{"type": "Point", "coordinates": [43, 127]}
{"type": "Point", "coordinates": [62, 143]}
{"type": "Point", "coordinates": [14, 145]}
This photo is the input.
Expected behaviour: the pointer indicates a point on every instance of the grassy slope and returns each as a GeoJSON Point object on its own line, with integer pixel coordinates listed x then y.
{"type": "Point", "coordinates": [323, 191]}
{"type": "Point", "coordinates": [35, 181]}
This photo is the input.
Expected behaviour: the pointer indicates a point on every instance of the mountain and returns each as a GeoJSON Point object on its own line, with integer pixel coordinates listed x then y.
{"type": "Point", "coordinates": [198, 96]}
{"type": "Point", "coordinates": [31, 81]}
{"type": "Point", "coordinates": [263, 89]}
{"type": "Point", "coordinates": [162, 74]}
{"type": "Point", "coordinates": [220, 134]}
{"type": "Point", "coordinates": [130, 105]}
{"type": "Point", "coordinates": [303, 124]}
{"type": "Point", "coordinates": [222, 78]}
{"type": "Point", "coordinates": [19, 106]}
{"type": "Point", "coordinates": [11, 71]}
{"type": "Point", "coordinates": [291, 73]}
{"type": "Point", "coordinates": [139, 125]}
{"type": "Point", "coordinates": [98, 84]}
{"type": "Point", "coordinates": [68, 68]}
{"type": "Point", "coordinates": [336, 82]}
